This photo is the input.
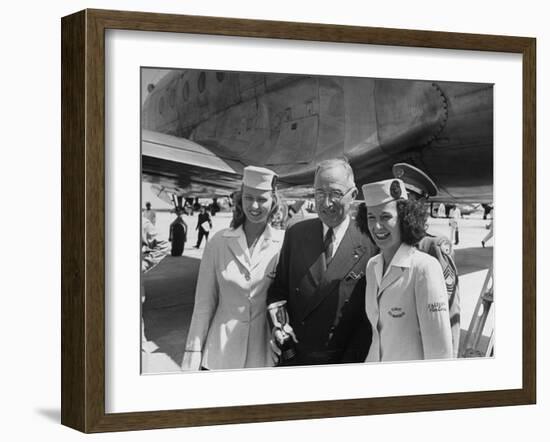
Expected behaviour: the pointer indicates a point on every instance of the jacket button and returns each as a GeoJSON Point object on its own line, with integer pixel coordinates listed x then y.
{"type": "Point", "coordinates": [303, 323]}
{"type": "Point", "coordinates": [332, 328]}
{"type": "Point", "coordinates": [247, 277]}
{"type": "Point", "coordinates": [297, 290]}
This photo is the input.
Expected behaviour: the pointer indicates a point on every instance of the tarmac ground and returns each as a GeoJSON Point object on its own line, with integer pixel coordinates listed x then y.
{"type": "Point", "coordinates": [170, 286]}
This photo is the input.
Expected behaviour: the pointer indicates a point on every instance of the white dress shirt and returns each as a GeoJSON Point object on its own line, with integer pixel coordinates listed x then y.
{"type": "Point", "coordinates": [339, 231]}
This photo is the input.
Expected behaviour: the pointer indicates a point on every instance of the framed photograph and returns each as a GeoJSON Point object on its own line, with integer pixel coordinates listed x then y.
{"type": "Point", "coordinates": [315, 209]}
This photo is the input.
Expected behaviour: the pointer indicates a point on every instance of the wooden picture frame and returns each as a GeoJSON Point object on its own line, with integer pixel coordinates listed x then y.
{"type": "Point", "coordinates": [83, 220]}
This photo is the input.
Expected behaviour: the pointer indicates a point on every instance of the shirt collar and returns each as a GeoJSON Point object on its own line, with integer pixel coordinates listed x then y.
{"type": "Point", "coordinates": [339, 230]}
{"type": "Point", "coordinates": [403, 256]}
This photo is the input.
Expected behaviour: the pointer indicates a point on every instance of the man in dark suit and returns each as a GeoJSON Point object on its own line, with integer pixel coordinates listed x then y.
{"type": "Point", "coordinates": [320, 275]}
{"type": "Point", "coordinates": [204, 224]}
{"type": "Point", "coordinates": [178, 233]}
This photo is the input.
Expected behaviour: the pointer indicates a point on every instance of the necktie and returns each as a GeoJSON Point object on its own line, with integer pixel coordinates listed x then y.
{"type": "Point", "coordinates": [329, 245]}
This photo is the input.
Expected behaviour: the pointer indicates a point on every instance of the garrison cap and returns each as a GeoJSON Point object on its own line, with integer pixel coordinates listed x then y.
{"type": "Point", "coordinates": [259, 178]}
{"type": "Point", "coordinates": [382, 192]}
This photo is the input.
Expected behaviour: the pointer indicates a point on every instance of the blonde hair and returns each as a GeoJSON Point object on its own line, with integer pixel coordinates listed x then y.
{"type": "Point", "coordinates": [238, 211]}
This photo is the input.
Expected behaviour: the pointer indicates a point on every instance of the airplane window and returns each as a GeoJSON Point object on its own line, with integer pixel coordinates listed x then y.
{"type": "Point", "coordinates": [161, 105]}
{"type": "Point", "coordinates": [186, 91]}
{"type": "Point", "coordinates": [220, 76]}
{"type": "Point", "coordinates": [202, 81]}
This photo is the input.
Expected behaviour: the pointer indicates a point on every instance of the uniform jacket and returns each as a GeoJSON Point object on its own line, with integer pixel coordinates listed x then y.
{"type": "Point", "coordinates": [229, 324]}
{"type": "Point", "coordinates": [325, 305]}
{"type": "Point", "coordinates": [440, 248]}
{"type": "Point", "coordinates": [203, 217]}
{"type": "Point", "coordinates": [178, 220]}
{"type": "Point", "coordinates": [408, 308]}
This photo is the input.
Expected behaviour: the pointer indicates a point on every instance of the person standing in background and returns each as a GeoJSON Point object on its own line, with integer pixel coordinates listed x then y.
{"type": "Point", "coordinates": [455, 216]}
{"type": "Point", "coordinates": [149, 213]}
{"type": "Point", "coordinates": [204, 224]}
{"type": "Point", "coordinates": [153, 250]}
{"type": "Point", "coordinates": [178, 234]}
{"type": "Point", "coordinates": [490, 227]}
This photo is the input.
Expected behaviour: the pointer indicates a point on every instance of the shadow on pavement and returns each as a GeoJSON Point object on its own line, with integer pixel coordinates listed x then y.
{"type": "Point", "coordinates": [52, 414]}
{"type": "Point", "coordinates": [168, 306]}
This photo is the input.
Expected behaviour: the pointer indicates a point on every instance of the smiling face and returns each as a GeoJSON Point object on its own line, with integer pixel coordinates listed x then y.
{"type": "Point", "coordinates": [257, 204]}
{"type": "Point", "coordinates": [383, 223]}
{"type": "Point", "coordinates": [334, 193]}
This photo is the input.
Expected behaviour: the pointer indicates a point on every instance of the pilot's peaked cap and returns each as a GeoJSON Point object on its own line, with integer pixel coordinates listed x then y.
{"type": "Point", "coordinates": [416, 181]}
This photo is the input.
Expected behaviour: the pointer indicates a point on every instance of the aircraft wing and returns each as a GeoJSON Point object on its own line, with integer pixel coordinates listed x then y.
{"type": "Point", "coordinates": [183, 167]}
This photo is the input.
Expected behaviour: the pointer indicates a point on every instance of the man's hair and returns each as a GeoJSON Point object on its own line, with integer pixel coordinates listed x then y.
{"type": "Point", "coordinates": [238, 211]}
{"type": "Point", "coordinates": [336, 162]}
{"type": "Point", "coordinates": [412, 217]}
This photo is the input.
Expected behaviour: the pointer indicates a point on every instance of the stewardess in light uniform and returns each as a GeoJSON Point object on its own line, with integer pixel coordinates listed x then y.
{"type": "Point", "coordinates": [406, 298]}
{"type": "Point", "coordinates": [229, 326]}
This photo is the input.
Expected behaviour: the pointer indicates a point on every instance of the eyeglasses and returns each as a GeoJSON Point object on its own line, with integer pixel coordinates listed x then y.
{"type": "Point", "coordinates": [333, 195]}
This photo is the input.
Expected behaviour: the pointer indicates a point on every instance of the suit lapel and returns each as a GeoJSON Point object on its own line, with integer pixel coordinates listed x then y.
{"type": "Point", "coordinates": [349, 252]}
{"type": "Point", "coordinates": [269, 237]}
{"type": "Point", "coordinates": [400, 261]}
{"type": "Point", "coordinates": [237, 246]}
{"type": "Point", "coordinates": [256, 257]}
{"type": "Point", "coordinates": [313, 246]}
{"type": "Point", "coordinates": [393, 275]}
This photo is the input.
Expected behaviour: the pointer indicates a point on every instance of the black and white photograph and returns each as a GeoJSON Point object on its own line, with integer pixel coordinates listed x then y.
{"type": "Point", "coordinates": [314, 186]}
{"type": "Point", "coordinates": [303, 220]}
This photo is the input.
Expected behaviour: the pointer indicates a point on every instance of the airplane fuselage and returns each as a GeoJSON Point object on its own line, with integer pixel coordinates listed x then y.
{"type": "Point", "coordinates": [291, 122]}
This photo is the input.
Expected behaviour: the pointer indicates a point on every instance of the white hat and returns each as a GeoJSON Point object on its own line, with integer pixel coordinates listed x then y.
{"type": "Point", "coordinates": [258, 178]}
{"type": "Point", "coordinates": [385, 191]}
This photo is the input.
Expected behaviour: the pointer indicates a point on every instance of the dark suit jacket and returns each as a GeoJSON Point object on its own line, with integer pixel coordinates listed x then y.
{"type": "Point", "coordinates": [326, 306]}
{"type": "Point", "coordinates": [201, 219]}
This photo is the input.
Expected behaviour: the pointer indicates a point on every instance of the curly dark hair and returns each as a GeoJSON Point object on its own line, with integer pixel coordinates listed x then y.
{"type": "Point", "coordinates": [238, 211]}
{"type": "Point", "coordinates": [412, 216]}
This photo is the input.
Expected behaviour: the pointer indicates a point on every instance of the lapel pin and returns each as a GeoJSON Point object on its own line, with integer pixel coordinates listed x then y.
{"type": "Point", "coordinates": [357, 251]}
